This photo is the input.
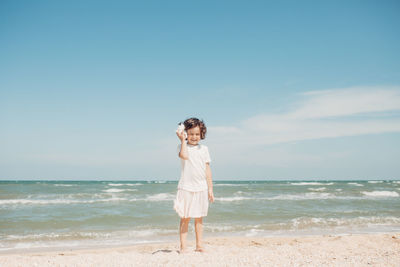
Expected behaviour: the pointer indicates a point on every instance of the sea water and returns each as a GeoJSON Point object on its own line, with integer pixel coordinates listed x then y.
{"type": "Point", "coordinates": [105, 213]}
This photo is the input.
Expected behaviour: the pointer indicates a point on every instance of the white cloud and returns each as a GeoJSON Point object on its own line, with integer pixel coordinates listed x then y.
{"type": "Point", "coordinates": [345, 102]}
{"type": "Point", "coordinates": [319, 114]}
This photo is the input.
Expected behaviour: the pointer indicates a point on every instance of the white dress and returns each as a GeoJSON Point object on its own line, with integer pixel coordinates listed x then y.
{"type": "Point", "coordinates": [192, 196]}
{"type": "Point", "coordinates": [191, 204]}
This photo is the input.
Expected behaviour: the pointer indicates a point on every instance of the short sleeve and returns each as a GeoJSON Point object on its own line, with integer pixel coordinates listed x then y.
{"type": "Point", "coordinates": [207, 155]}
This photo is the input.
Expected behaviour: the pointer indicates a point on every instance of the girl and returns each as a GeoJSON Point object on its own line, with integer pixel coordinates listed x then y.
{"type": "Point", "coordinates": [195, 185]}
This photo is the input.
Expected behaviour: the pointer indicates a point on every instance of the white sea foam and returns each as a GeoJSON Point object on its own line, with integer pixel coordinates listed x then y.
{"type": "Point", "coordinates": [219, 228]}
{"type": "Point", "coordinates": [55, 201]}
{"type": "Point", "coordinates": [307, 222]}
{"type": "Point", "coordinates": [149, 232]}
{"type": "Point", "coordinates": [74, 243]}
{"type": "Point", "coordinates": [113, 184]}
{"type": "Point", "coordinates": [310, 195]}
{"type": "Point", "coordinates": [339, 189]}
{"type": "Point", "coordinates": [356, 184]}
{"type": "Point", "coordinates": [74, 235]}
{"type": "Point", "coordinates": [230, 184]}
{"type": "Point", "coordinates": [253, 232]}
{"type": "Point", "coordinates": [314, 195]}
{"type": "Point", "coordinates": [303, 196]}
{"type": "Point", "coordinates": [229, 199]}
{"type": "Point", "coordinates": [311, 183]}
{"type": "Point", "coordinates": [72, 239]}
{"type": "Point", "coordinates": [381, 193]}
{"type": "Point", "coordinates": [54, 236]}
{"type": "Point", "coordinates": [63, 185]}
{"type": "Point", "coordinates": [114, 190]}
{"type": "Point", "coordinates": [375, 182]}
{"type": "Point", "coordinates": [160, 197]}
{"type": "Point", "coordinates": [317, 189]}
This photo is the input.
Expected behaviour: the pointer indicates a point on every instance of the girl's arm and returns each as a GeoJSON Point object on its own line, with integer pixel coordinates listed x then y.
{"type": "Point", "coordinates": [183, 154]}
{"type": "Point", "coordinates": [209, 182]}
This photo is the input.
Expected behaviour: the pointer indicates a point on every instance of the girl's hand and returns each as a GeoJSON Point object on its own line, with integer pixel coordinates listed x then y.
{"type": "Point", "coordinates": [181, 136]}
{"type": "Point", "coordinates": [210, 195]}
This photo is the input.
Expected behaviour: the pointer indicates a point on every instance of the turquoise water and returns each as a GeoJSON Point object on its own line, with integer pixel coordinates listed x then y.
{"type": "Point", "coordinates": [92, 213]}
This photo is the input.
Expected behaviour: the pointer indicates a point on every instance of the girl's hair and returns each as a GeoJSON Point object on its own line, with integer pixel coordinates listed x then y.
{"type": "Point", "coordinates": [194, 122]}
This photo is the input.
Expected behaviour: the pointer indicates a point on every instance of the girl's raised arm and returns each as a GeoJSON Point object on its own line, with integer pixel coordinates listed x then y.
{"type": "Point", "coordinates": [183, 154]}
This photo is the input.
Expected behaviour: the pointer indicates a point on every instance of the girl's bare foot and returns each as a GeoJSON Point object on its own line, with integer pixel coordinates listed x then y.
{"type": "Point", "coordinates": [200, 249]}
{"type": "Point", "coordinates": [182, 251]}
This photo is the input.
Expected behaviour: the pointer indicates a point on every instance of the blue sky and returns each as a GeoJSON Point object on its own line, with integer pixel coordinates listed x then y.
{"type": "Point", "coordinates": [288, 89]}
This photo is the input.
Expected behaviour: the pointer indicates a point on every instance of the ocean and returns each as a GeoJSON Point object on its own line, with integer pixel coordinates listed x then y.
{"type": "Point", "coordinates": [51, 214]}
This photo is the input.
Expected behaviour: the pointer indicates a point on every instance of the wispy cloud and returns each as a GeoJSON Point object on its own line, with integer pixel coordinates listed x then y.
{"type": "Point", "coordinates": [346, 102]}
{"type": "Point", "coordinates": [319, 114]}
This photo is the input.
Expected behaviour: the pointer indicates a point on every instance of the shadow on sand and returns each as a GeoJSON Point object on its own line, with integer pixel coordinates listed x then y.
{"type": "Point", "coordinates": [164, 250]}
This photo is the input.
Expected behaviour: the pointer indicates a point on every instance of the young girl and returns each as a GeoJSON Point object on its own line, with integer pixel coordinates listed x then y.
{"type": "Point", "coordinates": [195, 185]}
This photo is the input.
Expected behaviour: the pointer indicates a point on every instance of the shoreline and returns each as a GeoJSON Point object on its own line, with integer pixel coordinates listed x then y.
{"type": "Point", "coordinates": [376, 249]}
{"type": "Point", "coordinates": [190, 238]}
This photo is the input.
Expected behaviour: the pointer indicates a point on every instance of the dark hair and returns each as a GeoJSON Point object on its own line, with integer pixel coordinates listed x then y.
{"type": "Point", "coordinates": [194, 122]}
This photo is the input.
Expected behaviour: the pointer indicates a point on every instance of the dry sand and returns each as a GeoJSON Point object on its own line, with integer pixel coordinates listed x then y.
{"type": "Point", "coordinates": [323, 250]}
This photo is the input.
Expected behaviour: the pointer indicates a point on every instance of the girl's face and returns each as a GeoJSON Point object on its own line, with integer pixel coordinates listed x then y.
{"type": "Point", "coordinates": [193, 135]}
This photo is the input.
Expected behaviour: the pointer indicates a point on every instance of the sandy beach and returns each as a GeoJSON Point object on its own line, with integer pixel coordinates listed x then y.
{"type": "Point", "coordinates": [326, 250]}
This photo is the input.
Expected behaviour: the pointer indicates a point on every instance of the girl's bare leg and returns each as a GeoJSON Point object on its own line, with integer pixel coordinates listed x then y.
{"type": "Point", "coordinates": [183, 230]}
{"type": "Point", "coordinates": [198, 225]}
